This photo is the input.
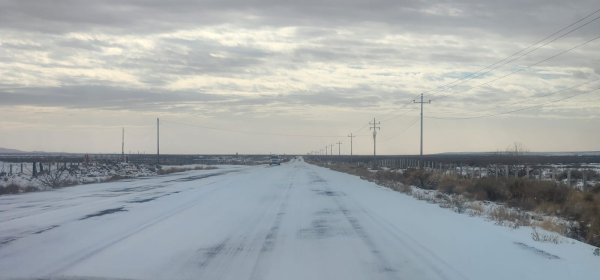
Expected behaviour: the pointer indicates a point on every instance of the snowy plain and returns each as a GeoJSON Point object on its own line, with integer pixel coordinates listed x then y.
{"type": "Point", "coordinates": [294, 221]}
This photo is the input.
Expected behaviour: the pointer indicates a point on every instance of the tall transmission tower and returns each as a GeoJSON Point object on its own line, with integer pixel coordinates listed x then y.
{"type": "Point", "coordinates": [374, 126]}
{"type": "Point", "coordinates": [351, 136]}
{"type": "Point", "coordinates": [339, 143]}
{"type": "Point", "coordinates": [421, 102]}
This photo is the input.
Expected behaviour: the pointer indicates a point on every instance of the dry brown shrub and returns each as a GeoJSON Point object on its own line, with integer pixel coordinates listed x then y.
{"type": "Point", "coordinates": [10, 189]}
{"type": "Point", "coordinates": [509, 217]}
{"type": "Point", "coordinates": [544, 237]}
{"type": "Point", "coordinates": [476, 209]}
{"type": "Point", "coordinates": [552, 226]}
{"type": "Point", "coordinates": [169, 170]}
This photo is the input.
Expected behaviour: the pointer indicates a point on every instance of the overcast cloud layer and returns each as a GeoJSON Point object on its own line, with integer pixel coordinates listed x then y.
{"type": "Point", "coordinates": [218, 70]}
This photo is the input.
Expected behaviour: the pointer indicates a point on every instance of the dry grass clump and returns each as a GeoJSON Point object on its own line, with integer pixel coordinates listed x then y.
{"type": "Point", "coordinates": [509, 217]}
{"type": "Point", "coordinates": [10, 189]}
{"type": "Point", "coordinates": [56, 178]}
{"type": "Point", "coordinates": [475, 208]}
{"type": "Point", "coordinates": [560, 228]}
{"type": "Point", "coordinates": [544, 237]}
{"type": "Point", "coordinates": [169, 170]}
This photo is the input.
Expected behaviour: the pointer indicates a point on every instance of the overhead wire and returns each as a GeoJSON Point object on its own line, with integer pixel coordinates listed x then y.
{"type": "Point", "coordinates": [411, 124]}
{"type": "Point", "coordinates": [483, 71]}
{"type": "Point", "coordinates": [513, 57]}
{"type": "Point", "coordinates": [513, 111]}
{"type": "Point", "coordinates": [530, 66]}
{"type": "Point", "coordinates": [252, 132]}
{"type": "Point", "coordinates": [545, 95]}
{"type": "Point", "coordinates": [519, 54]}
{"type": "Point", "coordinates": [539, 62]}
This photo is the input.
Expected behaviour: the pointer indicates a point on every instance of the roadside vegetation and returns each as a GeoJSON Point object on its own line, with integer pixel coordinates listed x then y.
{"type": "Point", "coordinates": [176, 169]}
{"type": "Point", "coordinates": [516, 202]}
{"type": "Point", "coordinates": [62, 175]}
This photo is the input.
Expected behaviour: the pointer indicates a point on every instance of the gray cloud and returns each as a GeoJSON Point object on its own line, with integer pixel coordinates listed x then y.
{"type": "Point", "coordinates": [113, 98]}
{"type": "Point", "coordinates": [246, 61]}
{"type": "Point", "coordinates": [199, 57]}
{"type": "Point", "coordinates": [323, 26]}
{"type": "Point", "coordinates": [507, 17]}
{"type": "Point", "coordinates": [103, 97]}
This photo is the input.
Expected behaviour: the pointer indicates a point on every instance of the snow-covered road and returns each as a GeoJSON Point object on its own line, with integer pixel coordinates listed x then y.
{"type": "Point", "coordinates": [294, 221]}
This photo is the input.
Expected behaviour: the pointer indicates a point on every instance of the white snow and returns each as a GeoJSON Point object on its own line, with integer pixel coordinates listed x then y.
{"type": "Point", "coordinates": [294, 221]}
{"type": "Point", "coordinates": [81, 174]}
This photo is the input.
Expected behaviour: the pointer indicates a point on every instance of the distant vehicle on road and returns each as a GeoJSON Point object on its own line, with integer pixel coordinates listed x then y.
{"type": "Point", "coordinates": [275, 160]}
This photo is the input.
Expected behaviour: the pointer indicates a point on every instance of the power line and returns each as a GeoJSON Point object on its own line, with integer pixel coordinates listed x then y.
{"type": "Point", "coordinates": [361, 128]}
{"type": "Point", "coordinates": [254, 132]}
{"type": "Point", "coordinates": [529, 66]}
{"type": "Point", "coordinates": [526, 51]}
{"type": "Point", "coordinates": [401, 115]}
{"type": "Point", "coordinates": [517, 55]}
{"type": "Point", "coordinates": [545, 95]}
{"type": "Point", "coordinates": [402, 131]}
{"type": "Point", "coordinates": [523, 52]}
{"type": "Point", "coordinates": [539, 62]}
{"type": "Point", "coordinates": [513, 111]}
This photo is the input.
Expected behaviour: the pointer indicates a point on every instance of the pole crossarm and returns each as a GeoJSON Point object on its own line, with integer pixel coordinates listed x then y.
{"type": "Point", "coordinates": [374, 126]}
{"type": "Point", "coordinates": [421, 103]}
{"type": "Point", "coordinates": [351, 136]}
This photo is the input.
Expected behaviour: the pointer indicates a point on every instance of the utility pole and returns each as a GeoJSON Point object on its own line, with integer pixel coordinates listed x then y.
{"type": "Point", "coordinates": [339, 143]}
{"type": "Point", "coordinates": [351, 136]}
{"type": "Point", "coordinates": [331, 149]}
{"type": "Point", "coordinates": [157, 141]}
{"type": "Point", "coordinates": [123, 145]}
{"type": "Point", "coordinates": [326, 148]}
{"type": "Point", "coordinates": [374, 127]}
{"type": "Point", "coordinates": [421, 102]}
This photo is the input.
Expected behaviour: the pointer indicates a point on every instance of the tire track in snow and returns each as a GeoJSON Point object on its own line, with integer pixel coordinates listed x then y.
{"type": "Point", "coordinates": [248, 242]}
{"type": "Point", "coordinates": [271, 237]}
{"type": "Point", "coordinates": [100, 197]}
{"type": "Point", "coordinates": [382, 263]}
{"type": "Point", "coordinates": [423, 253]}
{"type": "Point", "coordinates": [90, 251]}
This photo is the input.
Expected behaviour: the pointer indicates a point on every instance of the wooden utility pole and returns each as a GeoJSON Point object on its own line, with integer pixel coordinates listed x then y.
{"type": "Point", "coordinates": [351, 136]}
{"type": "Point", "coordinates": [374, 126]}
{"type": "Point", "coordinates": [339, 143]}
{"type": "Point", "coordinates": [157, 141]}
{"type": "Point", "coordinates": [421, 102]}
{"type": "Point", "coordinates": [123, 145]}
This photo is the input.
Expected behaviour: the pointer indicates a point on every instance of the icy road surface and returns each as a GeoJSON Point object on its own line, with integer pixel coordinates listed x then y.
{"type": "Point", "coordinates": [294, 221]}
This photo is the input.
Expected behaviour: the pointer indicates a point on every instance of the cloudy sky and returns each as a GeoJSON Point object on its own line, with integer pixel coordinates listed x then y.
{"type": "Point", "coordinates": [266, 76]}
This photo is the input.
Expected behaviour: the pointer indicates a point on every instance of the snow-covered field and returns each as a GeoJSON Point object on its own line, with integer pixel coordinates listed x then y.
{"type": "Point", "coordinates": [294, 221]}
